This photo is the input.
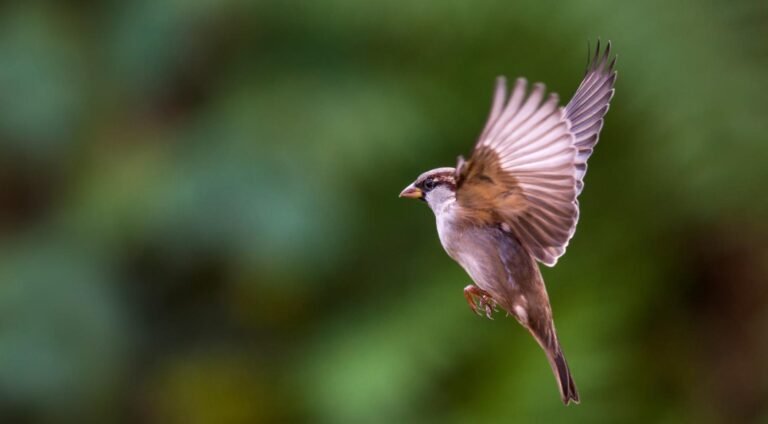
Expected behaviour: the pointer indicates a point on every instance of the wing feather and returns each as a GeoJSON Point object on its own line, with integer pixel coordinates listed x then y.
{"type": "Point", "coordinates": [588, 107]}
{"type": "Point", "coordinates": [528, 165]}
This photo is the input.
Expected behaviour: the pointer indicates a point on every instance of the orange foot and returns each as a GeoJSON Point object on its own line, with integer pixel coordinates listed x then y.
{"type": "Point", "coordinates": [480, 301]}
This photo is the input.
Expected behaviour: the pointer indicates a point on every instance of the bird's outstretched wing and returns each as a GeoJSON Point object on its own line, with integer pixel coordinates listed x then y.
{"type": "Point", "coordinates": [528, 165]}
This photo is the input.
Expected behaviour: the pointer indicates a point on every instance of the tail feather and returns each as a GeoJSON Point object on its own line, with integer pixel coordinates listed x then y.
{"type": "Point", "coordinates": [544, 333]}
{"type": "Point", "coordinates": [559, 365]}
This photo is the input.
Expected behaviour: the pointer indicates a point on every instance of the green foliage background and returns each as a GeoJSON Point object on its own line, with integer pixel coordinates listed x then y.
{"type": "Point", "coordinates": [199, 218]}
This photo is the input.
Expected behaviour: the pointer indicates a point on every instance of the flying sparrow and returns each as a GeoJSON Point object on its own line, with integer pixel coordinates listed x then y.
{"type": "Point", "coordinates": [514, 202]}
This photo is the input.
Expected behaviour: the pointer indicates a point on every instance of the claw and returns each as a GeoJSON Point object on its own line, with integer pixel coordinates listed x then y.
{"type": "Point", "coordinates": [480, 301]}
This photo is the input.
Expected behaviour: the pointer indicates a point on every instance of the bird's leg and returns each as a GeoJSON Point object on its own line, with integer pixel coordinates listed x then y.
{"type": "Point", "coordinates": [479, 301]}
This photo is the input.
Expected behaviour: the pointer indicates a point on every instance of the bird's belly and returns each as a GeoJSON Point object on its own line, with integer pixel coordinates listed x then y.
{"type": "Point", "coordinates": [481, 252]}
{"type": "Point", "coordinates": [474, 252]}
{"type": "Point", "coordinates": [480, 266]}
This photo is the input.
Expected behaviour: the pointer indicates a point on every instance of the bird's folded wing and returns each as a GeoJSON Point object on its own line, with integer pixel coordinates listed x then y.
{"type": "Point", "coordinates": [528, 165]}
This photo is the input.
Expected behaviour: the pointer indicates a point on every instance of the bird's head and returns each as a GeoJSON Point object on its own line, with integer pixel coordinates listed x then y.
{"type": "Point", "coordinates": [434, 187]}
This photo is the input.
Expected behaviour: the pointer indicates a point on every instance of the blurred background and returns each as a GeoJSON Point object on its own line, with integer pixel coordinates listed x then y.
{"type": "Point", "coordinates": [199, 219]}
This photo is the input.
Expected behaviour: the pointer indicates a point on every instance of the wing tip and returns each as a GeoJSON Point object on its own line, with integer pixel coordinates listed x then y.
{"type": "Point", "coordinates": [501, 85]}
{"type": "Point", "coordinates": [596, 61]}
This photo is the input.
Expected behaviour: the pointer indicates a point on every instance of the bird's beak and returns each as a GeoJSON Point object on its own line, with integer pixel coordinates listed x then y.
{"type": "Point", "coordinates": [412, 192]}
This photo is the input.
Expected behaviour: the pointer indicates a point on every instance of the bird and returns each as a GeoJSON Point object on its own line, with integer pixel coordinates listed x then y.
{"type": "Point", "coordinates": [514, 202]}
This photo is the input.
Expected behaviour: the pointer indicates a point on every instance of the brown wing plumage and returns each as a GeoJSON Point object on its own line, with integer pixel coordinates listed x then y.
{"type": "Point", "coordinates": [528, 165]}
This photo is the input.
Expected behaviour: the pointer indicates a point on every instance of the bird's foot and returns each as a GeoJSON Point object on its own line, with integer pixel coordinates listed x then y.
{"type": "Point", "coordinates": [480, 301]}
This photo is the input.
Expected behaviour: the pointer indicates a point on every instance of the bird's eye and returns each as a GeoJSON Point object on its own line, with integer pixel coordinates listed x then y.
{"type": "Point", "coordinates": [429, 184]}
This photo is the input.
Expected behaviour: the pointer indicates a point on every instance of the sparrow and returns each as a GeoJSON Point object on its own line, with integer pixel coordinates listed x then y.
{"type": "Point", "coordinates": [515, 201]}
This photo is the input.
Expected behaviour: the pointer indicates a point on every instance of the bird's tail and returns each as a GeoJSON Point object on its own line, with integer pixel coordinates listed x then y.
{"type": "Point", "coordinates": [543, 330]}
{"type": "Point", "coordinates": [560, 368]}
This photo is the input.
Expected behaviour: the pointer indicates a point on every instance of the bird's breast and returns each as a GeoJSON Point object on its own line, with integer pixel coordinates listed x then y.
{"type": "Point", "coordinates": [449, 231]}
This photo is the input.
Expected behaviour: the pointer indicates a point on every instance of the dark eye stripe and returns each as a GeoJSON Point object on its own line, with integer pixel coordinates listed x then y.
{"type": "Point", "coordinates": [433, 181]}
